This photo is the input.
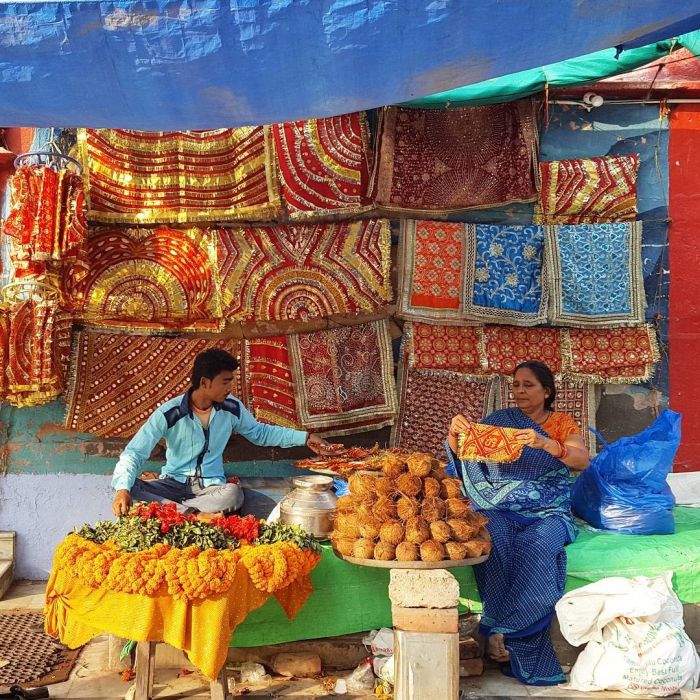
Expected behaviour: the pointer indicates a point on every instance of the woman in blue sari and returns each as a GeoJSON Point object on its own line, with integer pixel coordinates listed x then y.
{"type": "Point", "coordinates": [530, 522]}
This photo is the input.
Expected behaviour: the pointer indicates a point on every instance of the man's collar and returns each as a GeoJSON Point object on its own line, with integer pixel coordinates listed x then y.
{"type": "Point", "coordinates": [186, 403]}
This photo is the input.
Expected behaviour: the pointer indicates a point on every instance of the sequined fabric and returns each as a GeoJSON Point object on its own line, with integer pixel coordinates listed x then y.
{"type": "Point", "coordinates": [588, 190]}
{"type": "Point", "coordinates": [295, 273]}
{"type": "Point", "coordinates": [344, 376]}
{"type": "Point", "coordinates": [442, 160]}
{"type": "Point", "coordinates": [137, 177]}
{"type": "Point", "coordinates": [119, 380]}
{"type": "Point", "coordinates": [323, 165]}
{"type": "Point", "coordinates": [449, 348]}
{"type": "Point", "coordinates": [506, 347]}
{"type": "Point", "coordinates": [161, 279]}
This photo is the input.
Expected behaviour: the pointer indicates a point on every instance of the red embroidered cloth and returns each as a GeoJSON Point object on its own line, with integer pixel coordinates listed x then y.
{"type": "Point", "coordinates": [451, 348]}
{"type": "Point", "coordinates": [588, 190]}
{"type": "Point", "coordinates": [442, 160]}
{"type": "Point", "coordinates": [108, 394]}
{"type": "Point", "coordinates": [285, 273]}
{"type": "Point", "coordinates": [323, 165]}
{"type": "Point", "coordinates": [507, 346]}
{"type": "Point", "coordinates": [137, 177]}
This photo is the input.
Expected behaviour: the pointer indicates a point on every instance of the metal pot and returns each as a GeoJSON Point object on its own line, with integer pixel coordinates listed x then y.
{"type": "Point", "coordinates": [311, 504]}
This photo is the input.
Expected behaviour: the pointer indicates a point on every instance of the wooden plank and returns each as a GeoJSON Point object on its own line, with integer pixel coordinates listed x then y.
{"type": "Point", "coordinates": [145, 668]}
{"type": "Point", "coordinates": [218, 688]}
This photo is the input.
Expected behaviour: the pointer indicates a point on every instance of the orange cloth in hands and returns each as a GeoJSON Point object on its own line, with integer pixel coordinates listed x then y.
{"type": "Point", "coordinates": [489, 442]}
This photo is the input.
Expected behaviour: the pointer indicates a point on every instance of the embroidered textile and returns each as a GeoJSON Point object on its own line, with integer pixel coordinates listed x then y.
{"type": "Point", "coordinates": [429, 400]}
{"type": "Point", "coordinates": [506, 347]}
{"type": "Point", "coordinates": [323, 165]}
{"type": "Point", "coordinates": [596, 274]}
{"type": "Point", "coordinates": [46, 221]}
{"type": "Point", "coordinates": [576, 398]}
{"type": "Point", "coordinates": [270, 385]}
{"type": "Point", "coordinates": [504, 274]}
{"type": "Point", "coordinates": [108, 393]}
{"type": "Point", "coordinates": [615, 355]}
{"type": "Point", "coordinates": [160, 279]}
{"type": "Point", "coordinates": [588, 190]}
{"type": "Point", "coordinates": [442, 160]}
{"type": "Point", "coordinates": [451, 348]}
{"type": "Point", "coordinates": [344, 375]}
{"type": "Point", "coordinates": [286, 273]}
{"type": "Point", "coordinates": [489, 442]}
{"type": "Point", "coordinates": [136, 177]}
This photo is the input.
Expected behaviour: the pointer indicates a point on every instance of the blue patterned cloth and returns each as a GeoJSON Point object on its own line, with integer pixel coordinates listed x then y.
{"type": "Point", "coordinates": [507, 268]}
{"type": "Point", "coordinates": [529, 509]}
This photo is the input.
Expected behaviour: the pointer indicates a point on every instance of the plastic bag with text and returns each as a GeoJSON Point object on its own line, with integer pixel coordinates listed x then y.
{"type": "Point", "coordinates": [635, 637]}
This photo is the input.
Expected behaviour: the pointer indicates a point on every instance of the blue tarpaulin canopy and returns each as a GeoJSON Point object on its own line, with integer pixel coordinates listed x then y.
{"type": "Point", "coordinates": [199, 64]}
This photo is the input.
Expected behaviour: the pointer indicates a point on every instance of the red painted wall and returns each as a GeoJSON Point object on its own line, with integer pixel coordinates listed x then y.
{"type": "Point", "coordinates": [684, 309]}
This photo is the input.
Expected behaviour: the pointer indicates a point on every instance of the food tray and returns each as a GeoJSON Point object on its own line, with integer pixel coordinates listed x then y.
{"type": "Point", "coordinates": [444, 564]}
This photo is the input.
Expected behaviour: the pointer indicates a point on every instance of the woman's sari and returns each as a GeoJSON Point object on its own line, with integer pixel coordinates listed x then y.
{"type": "Point", "coordinates": [530, 522]}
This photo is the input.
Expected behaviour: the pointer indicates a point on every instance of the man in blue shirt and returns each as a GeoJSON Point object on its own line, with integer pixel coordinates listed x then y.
{"type": "Point", "coordinates": [196, 427]}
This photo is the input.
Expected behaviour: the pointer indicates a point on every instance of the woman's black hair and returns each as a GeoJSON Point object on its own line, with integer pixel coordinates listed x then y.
{"type": "Point", "coordinates": [210, 363]}
{"type": "Point", "coordinates": [544, 377]}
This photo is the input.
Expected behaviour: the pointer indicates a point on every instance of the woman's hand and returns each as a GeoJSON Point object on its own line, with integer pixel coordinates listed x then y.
{"type": "Point", "coordinates": [459, 424]}
{"type": "Point", "coordinates": [532, 438]}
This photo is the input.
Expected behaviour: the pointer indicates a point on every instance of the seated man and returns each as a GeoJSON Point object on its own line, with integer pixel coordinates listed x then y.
{"type": "Point", "coordinates": [196, 428]}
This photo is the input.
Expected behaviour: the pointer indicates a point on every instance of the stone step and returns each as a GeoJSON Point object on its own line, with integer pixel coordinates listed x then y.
{"type": "Point", "coordinates": [6, 575]}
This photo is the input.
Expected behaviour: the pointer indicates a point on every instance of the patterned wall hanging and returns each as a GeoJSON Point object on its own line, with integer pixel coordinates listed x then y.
{"type": "Point", "coordinates": [162, 279]}
{"type": "Point", "coordinates": [506, 347]}
{"type": "Point", "coordinates": [294, 273]}
{"type": "Point", "coordinates": [610, 355]}
{"type": "Point", "coordinates": [505, 281]}
{"type": "Point", "coordinates": [576, 398]}
{"type": "Point", "coordinates": [323, 165]}
{"type": "Point", "coordinates": [344, 378]}
{"type": "Point", "coordinates": [269, 380]}
{"type": "Point", "coordinates": [442, 160]}
{"type": "Point", "coordinates": [449, 348]}
{"type": "Point", "coordinates": [118, 380]}
{"type": "Point", "coordinates": [137, 177]}
{"type": "Point", "coordinates": [596, 274]}
{"type": "Point", "coordinates": [588, 190]}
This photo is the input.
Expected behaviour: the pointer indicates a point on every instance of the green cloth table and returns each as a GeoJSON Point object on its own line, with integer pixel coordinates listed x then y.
{"type": "Point", "coordinates": [349, 598]}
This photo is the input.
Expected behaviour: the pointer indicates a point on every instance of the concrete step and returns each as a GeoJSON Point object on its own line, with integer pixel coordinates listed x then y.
{"type": "Point", "coordinates": [6, 575]}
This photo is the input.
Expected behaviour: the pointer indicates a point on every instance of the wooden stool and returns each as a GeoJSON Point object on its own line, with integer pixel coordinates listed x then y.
{"type": "Point", "coordinates": [145, 668]}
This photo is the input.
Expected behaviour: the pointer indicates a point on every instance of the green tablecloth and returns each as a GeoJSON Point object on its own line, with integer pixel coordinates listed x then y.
{"type": "Point", "coordinates": [350, 598]}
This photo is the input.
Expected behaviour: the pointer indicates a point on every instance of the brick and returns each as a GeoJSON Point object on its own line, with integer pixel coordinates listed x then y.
{"type": "Point", "coordinates": [430, 588]}
{"type": "Point", "coordinates": [297, 664]}
{"type": "Point", "coordinates": [471, 667]}
{"type": "Point", "coordinates": [435, 620]}
{"type": "Point", "coordinates": [469, 649]}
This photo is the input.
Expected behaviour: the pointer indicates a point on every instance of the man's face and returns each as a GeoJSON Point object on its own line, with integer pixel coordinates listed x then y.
{"type": "Point", "coordinates": [219, 387]}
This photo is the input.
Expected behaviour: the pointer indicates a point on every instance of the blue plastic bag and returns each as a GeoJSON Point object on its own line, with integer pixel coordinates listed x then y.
{"type": "Point", "coordinates": [624, 488]}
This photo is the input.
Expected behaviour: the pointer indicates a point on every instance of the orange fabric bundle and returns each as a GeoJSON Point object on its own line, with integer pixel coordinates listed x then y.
{"type": "Point", "coordinates": [489, 442]}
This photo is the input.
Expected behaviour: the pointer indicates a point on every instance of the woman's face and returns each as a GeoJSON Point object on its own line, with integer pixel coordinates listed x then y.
{"type": "Point", "coordinates": [528, 392]}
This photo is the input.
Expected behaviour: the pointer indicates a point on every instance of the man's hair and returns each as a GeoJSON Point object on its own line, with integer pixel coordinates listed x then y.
{"type": "Point", "coordinates": [210, 363]}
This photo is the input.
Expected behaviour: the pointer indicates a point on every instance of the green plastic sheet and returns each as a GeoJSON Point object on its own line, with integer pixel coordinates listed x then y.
{"type": "Point", "coordinates": [350, 598]}
{"type": "Point", "coordinates": [575, 71]}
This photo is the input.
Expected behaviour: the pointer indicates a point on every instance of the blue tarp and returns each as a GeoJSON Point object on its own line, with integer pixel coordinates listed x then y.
{"type": "Point", "coordinates": [197, 64]}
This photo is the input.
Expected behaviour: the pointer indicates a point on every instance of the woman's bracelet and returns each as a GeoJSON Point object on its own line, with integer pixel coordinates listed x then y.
{"type": "Point", "coordinates": [563, 451]}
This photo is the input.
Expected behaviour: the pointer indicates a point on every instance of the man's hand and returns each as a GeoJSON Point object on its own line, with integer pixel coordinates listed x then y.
{"type": "Point", "coordinates": [318, 445]}
{"type": "Point", "coordinates": [121, 502]}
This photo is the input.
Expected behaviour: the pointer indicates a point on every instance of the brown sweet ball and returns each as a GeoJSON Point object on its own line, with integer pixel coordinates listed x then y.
{"type": "Point", "coordinates": [438, 472]}
{"type": "Point", "coordinates": [344, 545]}
{"type": "Point", "coordinates": [347, 503]}
{"type": "Point", "coordinates": [462, 531]}
{"type": "Point", "coordinates": [407, 551]}
{"type": "Point", "coordinates": [347, 525]}
{"type": "Point", "coordinates": [456, 550]}
{"type": "Point", "coordinates": [431, 487]}
{"type": "Point", "coordinates": [383, 551]}
{"type": "Point", "coordinates": [432, 551]}
{"type": "Point", "coordinates": [363, 549]}
{"type": "Point", "coordinates": [385, 486]}
{"type": "Point", "coordinates": [419, 463]}
{"type": "Point", "coordinates": [392, 466]}
{"type": "Point", "coordinates": [417, 530]}
{"type": "Point", "coordinates": [408, 485]}
{"type": "Point", "coordinates": [485, 545]}
{"type": "Point", "coordinates": [474, 548]}
{"type": "Point", "coordinates": [440, 531]}
{"type": "Point", "coordinates": [369, 528]}
{"type": "Point", "coordinates": [451, 487]}
{"type": "Point", "coordinates": [391, 532]}
{"type": "Point", "coordinates": [407, 508]}
{"type": "Point", "coordinates": [457, 507]}
{"type": "Point", "coordinates": [365, 511]}
{"type": "Point", "coordinates": [433, 509]}
{"type": "Point", "coordinates": [384, 509]}
{"type": "Point", "coordinates": [478, 520]}
{"type": "Point", "coordinates": [362, 485]}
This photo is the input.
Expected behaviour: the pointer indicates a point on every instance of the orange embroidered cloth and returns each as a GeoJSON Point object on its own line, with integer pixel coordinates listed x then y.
{"type": "Point", "coordinates": [137, 177]}
{"type": "Point", "coordinates": [506, 347]}
{"type": "Point", "coordinates": [323, 165]}
{"type": "Point", "coordinates": [75, 613]}
{"type": "Point", "coordinates": [489, 442]}
{"type": "Point", "coordinates": [450, 348]}
{"type": "Point", "coordinates": [442, 160]}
